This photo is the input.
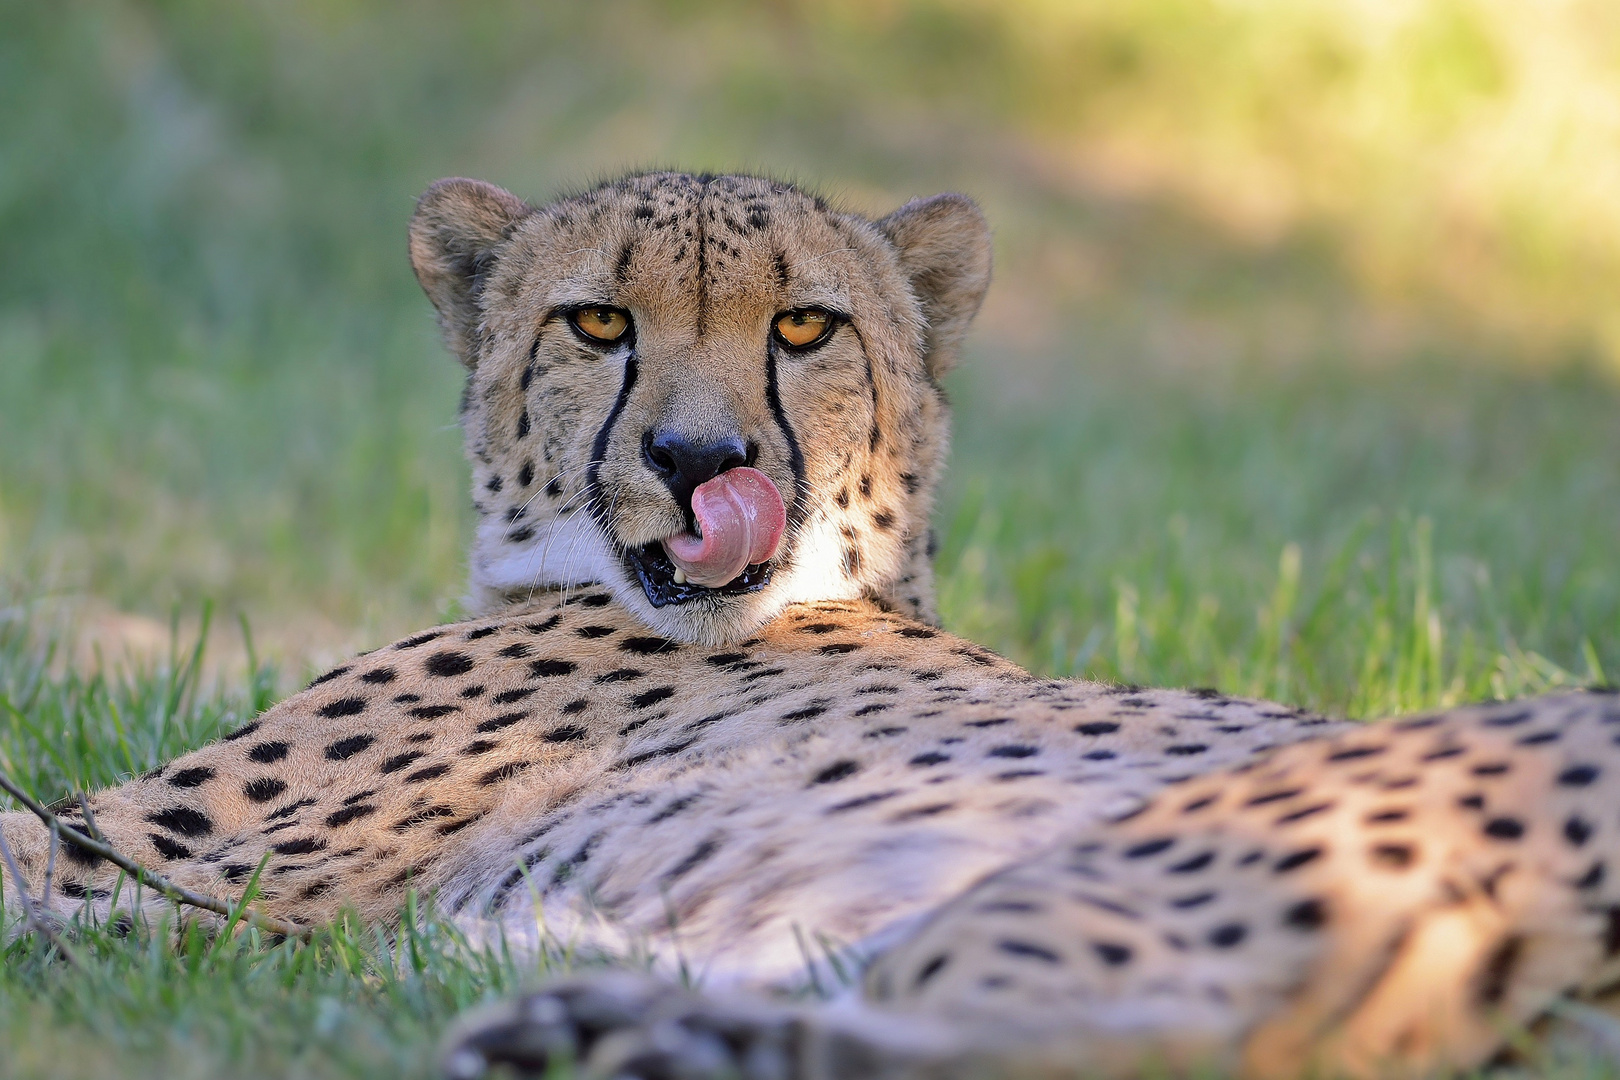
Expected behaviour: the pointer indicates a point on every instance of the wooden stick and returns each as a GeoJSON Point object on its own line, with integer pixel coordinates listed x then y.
{"type": "Point", "coordinates": [178, 894]}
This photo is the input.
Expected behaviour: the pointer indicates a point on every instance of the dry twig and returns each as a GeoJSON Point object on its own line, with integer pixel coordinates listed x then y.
{"type": "Point", "coordinates": [97, 845]}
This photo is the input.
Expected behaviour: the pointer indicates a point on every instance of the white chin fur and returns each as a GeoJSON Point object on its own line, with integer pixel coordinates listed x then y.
{"type": "Point", "coordinates": [573, 552]}
{"type": "Point", "coordinates": [560, 553]}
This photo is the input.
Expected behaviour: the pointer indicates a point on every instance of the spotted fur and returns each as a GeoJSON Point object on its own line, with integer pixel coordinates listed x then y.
{"type": "Point", "coordinates": [1030, 877]}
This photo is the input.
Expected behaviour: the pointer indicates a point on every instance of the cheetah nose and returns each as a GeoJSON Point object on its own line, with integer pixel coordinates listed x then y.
{"type": "Point", "coordinates": [683, 464]}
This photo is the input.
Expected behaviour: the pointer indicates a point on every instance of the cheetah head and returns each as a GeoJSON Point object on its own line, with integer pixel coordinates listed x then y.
{"type": "Point", "coordinates": [714, 395]}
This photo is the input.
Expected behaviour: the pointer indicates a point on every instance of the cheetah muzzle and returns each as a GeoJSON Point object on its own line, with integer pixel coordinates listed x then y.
{"type": "Point", "coordinates": [702, 715]}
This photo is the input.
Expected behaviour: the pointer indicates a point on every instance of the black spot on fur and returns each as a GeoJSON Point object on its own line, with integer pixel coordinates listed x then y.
{"type": "Point", "coordinates": [433, 712]}
{"type": "Point", "coordinates": [1097, 727]}
{"type": "Point", "coordinates": [496, 723]}
{"type": "Point", "coordinates": [1111, 953]}
{"type": "Point", "coordinates": [1576, 830]}
{"type": "Point", "coordinates": [379, 676]}
{"type": "Point", "coordinates": [1026, 950]}
{"type": "Point", "coordinates": [167, 848]}
{"type": "Point", "coordinates": [190, 778]}
{"type": "Point", "coordinates": [242, 732]}
{"type": "Point", "coordinates": [546, 669]}
{"type": "Point", "coordinates": [478, 746]}
{"type": "Point", "coordinates": [447, 664]}
{"type": "Point", "coordinates": [645, 646]}
{"type": "Point", "coordinates": [1149, 847]}
{"type": "Point", "coordinates": [330, 675]}
{"type": "Point", "coordinates": [419, 639]}
{"type": "Point", "coordinates": [267, 753]}
{"type": "Point", "coordinates": [507, 697]}
{"type": "Point", "coordinates": [648, 698]}
{"type": "Point", "coordinates": [307, 845]}
{"type": "Point", "coordinates": [349, 706]}
{"type": "Point", "coordinates": [1392, 856]}
{"type": "Point", "coordinates": [263, 789]}
{"type": "Point", "coordinates": [809, 712]}
{"type": "Point", "coordinates": [1014, 751]}
{"type": "Point", "coordinates": [399, 761]}
{"type": "Point", "coordinates": [344, 749]}
{"type": "Point", "coordinates": [503, 772]}
{"type": "Point", "coordinates": [348, 814]}
{"type": "Point", "coordinates": [860, 801]}
{"type": "Point", "coordinates": [1578, 775]}
{"type": "Point", "coordinates": [930, 758]}
{"type": "Point", "coordinates": [185, 820]}
{"type": "Point", "coordinates": [1228, 935]}
{"type": "Point", "coordinates": [1192, 865]}
{"type": "Point", "coordinates": [517, 650]}
{"type": "Point", "coordinates": [694, 858]}
{"type": "Point", "coordinates": [838, 770]}
{"type": "Point", "coordinates": [1504, 828]}
{"type": "Point", "coordinates": [1497, 971]}
{"type": "Point", "coordinates": [1295, 860]}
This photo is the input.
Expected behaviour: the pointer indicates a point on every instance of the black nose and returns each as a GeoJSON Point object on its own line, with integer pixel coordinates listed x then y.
{"type": "Point", "coordinates": [683, 464]}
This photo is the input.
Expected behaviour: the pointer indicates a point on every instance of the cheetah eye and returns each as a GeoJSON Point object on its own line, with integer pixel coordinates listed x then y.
{"type": "Point", "coordinates": [803, 327]}
{"type": "Point", "coordinates": [601, 324]}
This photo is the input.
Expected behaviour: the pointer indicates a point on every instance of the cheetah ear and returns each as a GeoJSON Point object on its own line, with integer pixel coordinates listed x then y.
{"type": "Point", "coordinates": [456, 233]}
{"type": "Point", "coordinates": [944, 248]}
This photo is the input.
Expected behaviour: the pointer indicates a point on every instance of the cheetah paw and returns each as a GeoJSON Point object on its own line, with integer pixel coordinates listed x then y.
{"type": "Point", "coordinates": [625, 1026]}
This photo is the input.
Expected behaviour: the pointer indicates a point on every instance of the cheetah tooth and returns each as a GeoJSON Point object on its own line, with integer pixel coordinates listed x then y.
{"type": "Point", "coordinates": [680, 576]}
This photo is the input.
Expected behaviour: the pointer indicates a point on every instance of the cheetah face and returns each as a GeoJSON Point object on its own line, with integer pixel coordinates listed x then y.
{"type": "Point", "coordinates": [714, 395]}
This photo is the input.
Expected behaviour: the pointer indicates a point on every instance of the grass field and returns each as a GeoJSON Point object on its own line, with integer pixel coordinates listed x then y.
{"type": "Point", "coordinates": [1328, 457]}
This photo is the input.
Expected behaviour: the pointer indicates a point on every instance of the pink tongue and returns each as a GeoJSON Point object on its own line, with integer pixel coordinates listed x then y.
{"type": "Point", "coordinates": [741, 516]}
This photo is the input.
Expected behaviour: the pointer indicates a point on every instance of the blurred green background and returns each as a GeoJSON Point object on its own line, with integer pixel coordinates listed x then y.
{"type": "Point", "coordinates": [1298, 376]}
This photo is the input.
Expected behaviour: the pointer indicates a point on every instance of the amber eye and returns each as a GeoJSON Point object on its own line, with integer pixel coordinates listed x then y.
{"type": "Point", "coordinates": [802, 327]}
{"type": "Point", "coordinates": [604, 324]}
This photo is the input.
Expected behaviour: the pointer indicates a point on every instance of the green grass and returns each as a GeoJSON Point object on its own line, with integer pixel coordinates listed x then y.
{"type": "Point", "coordinates": [1186, 454]}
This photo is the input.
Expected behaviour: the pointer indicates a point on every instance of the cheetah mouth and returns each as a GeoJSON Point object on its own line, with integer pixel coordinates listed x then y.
{"type": "Point", "coordinates": [656, 572]}
{"type": "Point", "coordinates": [738, 519]}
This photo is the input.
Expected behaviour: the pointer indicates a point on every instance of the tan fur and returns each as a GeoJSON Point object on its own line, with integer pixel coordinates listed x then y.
{"type": "Point", "coordinates": [1034, 877]}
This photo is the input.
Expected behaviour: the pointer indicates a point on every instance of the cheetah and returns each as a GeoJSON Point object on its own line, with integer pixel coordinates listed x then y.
{"type": "Point", "coordinates": [705, 715]}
